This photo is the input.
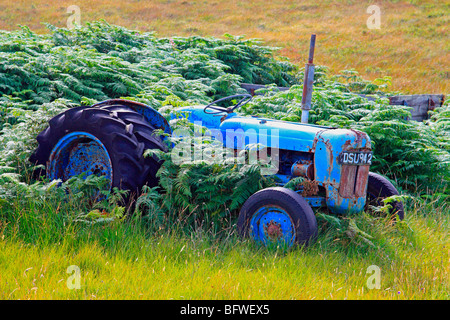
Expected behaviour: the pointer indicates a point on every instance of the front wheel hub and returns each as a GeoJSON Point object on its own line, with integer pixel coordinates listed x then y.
{"type": "Point", "coordinates": [272, 224]}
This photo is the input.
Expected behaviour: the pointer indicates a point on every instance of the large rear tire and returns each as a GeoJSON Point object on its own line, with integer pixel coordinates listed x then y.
{"type": "Point", "coordinates": [144, 133]}
{"type": "Point", "coordinates": [107, 141]}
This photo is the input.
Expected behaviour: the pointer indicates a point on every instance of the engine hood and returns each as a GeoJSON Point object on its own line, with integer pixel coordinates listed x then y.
{"type": "Point", "coordinates": [244, 130]}
{"type": "Point", "coordinates": [293, 135]}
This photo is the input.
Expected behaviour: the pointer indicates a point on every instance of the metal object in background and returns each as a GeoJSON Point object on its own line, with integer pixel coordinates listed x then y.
{"type": "Point", "coordinates": [420, 104]}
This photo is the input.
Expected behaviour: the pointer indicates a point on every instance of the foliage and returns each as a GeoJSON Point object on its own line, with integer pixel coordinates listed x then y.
{"type": "Point", "coordinates": [41, 75]}
{"type": "Point", "coordinates": [246, 57]}
{"type": "Point", "coordinates": [101, 61]}
{"type": "Point", "coordinates": [18, 140]}
{"type": "Point", "coordinates": [204, 185]}
{"type": "Point", "coordinates": [414, 154]}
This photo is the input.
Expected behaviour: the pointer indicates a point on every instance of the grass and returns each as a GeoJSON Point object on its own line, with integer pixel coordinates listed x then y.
{"type": "Point", "coordinates": [134, 260]}
{"type": "Point", "coordinates": [412, 45]}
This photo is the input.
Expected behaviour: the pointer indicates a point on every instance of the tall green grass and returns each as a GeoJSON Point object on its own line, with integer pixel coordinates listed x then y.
{"type": "Point", "coordinates": [137, 259]}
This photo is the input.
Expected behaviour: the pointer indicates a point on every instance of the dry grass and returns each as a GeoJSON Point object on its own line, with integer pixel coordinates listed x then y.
{"type": "Point", "coordinates": [412, 45]}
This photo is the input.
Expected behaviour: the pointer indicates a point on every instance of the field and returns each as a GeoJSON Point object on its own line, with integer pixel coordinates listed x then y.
{"type": "Point", "coordinates": [411, 46]}
{"type": "Point", "coordinates": [180, 241]}
{"type": "Point", "coordinates": [129, 262]}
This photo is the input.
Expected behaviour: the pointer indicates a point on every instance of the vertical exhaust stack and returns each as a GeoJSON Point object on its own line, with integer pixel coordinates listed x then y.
{"type": "Point", "coordinates": [308, 81]}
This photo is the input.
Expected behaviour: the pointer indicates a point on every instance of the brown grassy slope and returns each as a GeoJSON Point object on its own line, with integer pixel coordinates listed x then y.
{"type": "Point", "coordinates": [412, 45]}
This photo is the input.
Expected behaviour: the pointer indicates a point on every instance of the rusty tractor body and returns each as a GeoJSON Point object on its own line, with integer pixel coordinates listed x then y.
{"type": "Point", "coordinates": [333, 162]}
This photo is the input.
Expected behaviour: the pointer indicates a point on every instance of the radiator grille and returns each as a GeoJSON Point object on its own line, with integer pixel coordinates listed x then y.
{"type": "Point", "coordinates": [353, 181]}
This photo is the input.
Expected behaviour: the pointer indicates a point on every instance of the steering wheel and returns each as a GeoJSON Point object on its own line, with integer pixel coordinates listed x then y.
{"type": "Point", "coordinates": [246, 98]}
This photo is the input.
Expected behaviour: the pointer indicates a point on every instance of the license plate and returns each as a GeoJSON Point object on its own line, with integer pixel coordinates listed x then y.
{"type": "Point", "coordinates": [355, 158]}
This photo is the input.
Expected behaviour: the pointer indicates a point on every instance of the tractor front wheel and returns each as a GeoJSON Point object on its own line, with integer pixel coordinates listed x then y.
{"type": "Point", "coordinates": [277, 215]}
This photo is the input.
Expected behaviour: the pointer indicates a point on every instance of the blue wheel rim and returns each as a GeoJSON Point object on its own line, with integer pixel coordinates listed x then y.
{"type": "Point", "coordinates": [77, 153]}
{"type": "Point", "coordinates": [272, 224]}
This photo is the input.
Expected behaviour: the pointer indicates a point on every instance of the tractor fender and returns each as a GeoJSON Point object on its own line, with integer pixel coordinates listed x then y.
{"type": "Point", "coordinates": [151, 115]}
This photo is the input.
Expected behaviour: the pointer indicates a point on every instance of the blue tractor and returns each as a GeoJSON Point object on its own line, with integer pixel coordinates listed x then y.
{"type": "Point", "coordinates": [110, 137]}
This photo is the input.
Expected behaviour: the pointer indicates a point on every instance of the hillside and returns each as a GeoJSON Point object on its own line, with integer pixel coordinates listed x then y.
{"type": "Point", "coordinates": [411, 46]}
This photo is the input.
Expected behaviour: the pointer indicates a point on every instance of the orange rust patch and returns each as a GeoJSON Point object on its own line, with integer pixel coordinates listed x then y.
{"type": "Point", "coordinates": [310, 188]}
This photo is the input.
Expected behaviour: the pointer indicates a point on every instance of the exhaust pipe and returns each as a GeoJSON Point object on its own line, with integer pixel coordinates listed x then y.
{"type": "Point", "coordinates": [308, 81]}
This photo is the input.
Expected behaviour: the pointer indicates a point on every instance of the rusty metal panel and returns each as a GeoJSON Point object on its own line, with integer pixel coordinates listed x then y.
{"type": "Point", "coordinates": [361, 181]}
{"type": "Point", "coordinates": [348, 177]}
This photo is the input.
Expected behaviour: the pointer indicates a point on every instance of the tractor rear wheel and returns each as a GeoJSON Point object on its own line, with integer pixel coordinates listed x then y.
{"type": "Point", "coordinates": [277, 215]}
{"type": "Point", "coordinates": [99, 141]}
{"type": "Point", "coordinates": [379, 188]}
{"type": "Point", "coordinates": [144, 134]}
